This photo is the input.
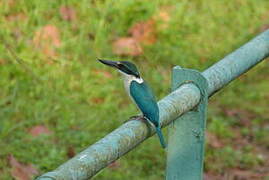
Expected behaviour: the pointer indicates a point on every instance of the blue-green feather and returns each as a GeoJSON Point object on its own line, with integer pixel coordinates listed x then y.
{"type": "Point", "coordinates": [146, 102]}
{"type": "Point", "coordinates": [160, 134]}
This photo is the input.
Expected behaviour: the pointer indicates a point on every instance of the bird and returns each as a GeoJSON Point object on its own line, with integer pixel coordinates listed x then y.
{"type": "Point", "coordinates": [140, 92]}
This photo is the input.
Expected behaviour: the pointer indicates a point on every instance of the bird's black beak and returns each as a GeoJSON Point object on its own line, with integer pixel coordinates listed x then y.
{"type": "Point", "coordinates": [114, 64]}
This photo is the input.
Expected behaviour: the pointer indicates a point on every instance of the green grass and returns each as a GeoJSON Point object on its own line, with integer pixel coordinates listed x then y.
{"type": "Point", "coordinates": [81, 106]}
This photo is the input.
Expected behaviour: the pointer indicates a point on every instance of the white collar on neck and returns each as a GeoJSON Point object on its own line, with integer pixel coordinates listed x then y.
{"type": "Point", "coordinates": [139, 80]}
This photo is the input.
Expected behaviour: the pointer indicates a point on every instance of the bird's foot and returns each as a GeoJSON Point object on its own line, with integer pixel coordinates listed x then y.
{"type": "Point", "coordinates": [140, 118]}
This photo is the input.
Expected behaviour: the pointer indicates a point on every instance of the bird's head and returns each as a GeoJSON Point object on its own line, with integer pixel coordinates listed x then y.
{"type": "Point", "coordinates": [125, 67]}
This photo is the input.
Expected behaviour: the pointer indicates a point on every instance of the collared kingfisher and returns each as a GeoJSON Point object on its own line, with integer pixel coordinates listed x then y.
{"type": "Point", "coordinates": [139, 92]}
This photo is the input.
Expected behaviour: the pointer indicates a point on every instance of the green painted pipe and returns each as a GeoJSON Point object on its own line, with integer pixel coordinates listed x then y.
{"type": "Point", "coordinates": [123, 139]}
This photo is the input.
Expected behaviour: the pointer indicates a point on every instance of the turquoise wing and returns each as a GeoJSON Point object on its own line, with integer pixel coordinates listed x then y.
{"type": "Point", "coordinates": [145, 100]}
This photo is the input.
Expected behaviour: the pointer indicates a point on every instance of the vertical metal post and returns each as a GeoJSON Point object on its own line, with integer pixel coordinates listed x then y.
{"type": "Point", "coordinates": [187, 133]}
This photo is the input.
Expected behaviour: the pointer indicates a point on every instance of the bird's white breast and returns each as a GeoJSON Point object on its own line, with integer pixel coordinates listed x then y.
{"type": "Point", "coordinates": [127, 82]}
{"type": "Point", "coordinates": [128, 79]}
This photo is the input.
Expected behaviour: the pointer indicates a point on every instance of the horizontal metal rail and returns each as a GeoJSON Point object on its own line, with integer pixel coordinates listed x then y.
{"type": "Point", "coordinates": [123, 139]}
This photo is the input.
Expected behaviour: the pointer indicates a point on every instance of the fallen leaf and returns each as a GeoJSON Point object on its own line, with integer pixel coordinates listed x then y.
{"type": "Point", "coordinates": [123, 103]}
{"type": "Point", "coordinates": [16, 17]}
{"type": "Point", "coordinates": [242, 115]}
{"type": "Point", "coordinates": [3, 61]}
{"type": "Point", "coordinates": [127, 46]}
{"type": "Point", "coordinates": [67, 13]}
{"type": "Point", "coordinates": [47, 39]}
{"type": "Point", "coordinates": [105, 74]}
{"type": "Point", "coordinates": [163, 17]}
{"type": "Point", "coordinates": [70, 152]}
{"type": "Point", "coordinates": [10, 3]}
{"type": "Point", "coordinates": [144, 32]}
{"type": "Point", "coordinates": [140, 33]}
{"type": "Point", "coordinates": [210, 176]}
{"type": "Point", "coordinates": [213, 141]}
{"type": "Point", "coordinates": [263, 28]}
{"type": "Point", "coordinates": [245, 174]}
{"type": "Point", "coordinates": [38, 130]}
{"type": "Point", "coordinates": [97, 100]}
{"type": "Point", "coordinates": [21, 171]}
{"type": "Point", "coordinates": [114, 165]}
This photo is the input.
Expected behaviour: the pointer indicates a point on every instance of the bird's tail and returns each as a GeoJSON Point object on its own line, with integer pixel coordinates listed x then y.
{"type": "Point", "coordinates": [160, 134]}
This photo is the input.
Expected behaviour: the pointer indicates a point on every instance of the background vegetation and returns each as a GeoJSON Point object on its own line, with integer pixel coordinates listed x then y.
{"type": "Point", "coordinates": [60, 99]}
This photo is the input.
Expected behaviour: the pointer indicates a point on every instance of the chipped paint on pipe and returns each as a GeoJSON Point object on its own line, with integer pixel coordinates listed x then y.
{"type": "Point", "coordinates": [90, 161]}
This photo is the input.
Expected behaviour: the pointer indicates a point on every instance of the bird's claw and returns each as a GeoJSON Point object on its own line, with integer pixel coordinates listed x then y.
{"type": "Point", "coordinates": [141, 118]}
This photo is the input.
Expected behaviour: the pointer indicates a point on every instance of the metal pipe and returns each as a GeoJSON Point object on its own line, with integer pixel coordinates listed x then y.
{"type": "Point", "coordinates": [237, 63]}
{"type": "Point", "coordinates": [123, 139]}
{"type": "Point", "coordinates": [90, 161]}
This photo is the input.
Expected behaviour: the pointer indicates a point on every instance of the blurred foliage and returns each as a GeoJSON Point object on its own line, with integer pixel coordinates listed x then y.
{"type": "Point", "coordinates": [62, 87]}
